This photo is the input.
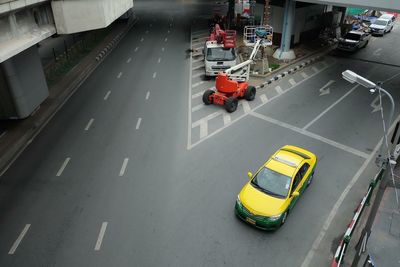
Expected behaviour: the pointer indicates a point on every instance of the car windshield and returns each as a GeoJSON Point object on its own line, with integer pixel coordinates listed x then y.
{"type": "Point", "coordinates": [272, 183]}
{"type": "Point", "coordinates": [380, 22]}
{"type": "Point", "coordinates": [220, 54]}
{"type": "Point", "coordinates": [352, 36]}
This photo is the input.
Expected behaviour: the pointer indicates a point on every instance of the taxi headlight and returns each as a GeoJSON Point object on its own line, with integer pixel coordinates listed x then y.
{"type": "Point", "coordinates": [275, 218]}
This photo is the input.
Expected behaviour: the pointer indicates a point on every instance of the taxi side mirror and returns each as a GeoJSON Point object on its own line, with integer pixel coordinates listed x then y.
{"type": "Point", "coordinates": [250, 175]}
{"type": "Point", "coordinates": [295, 194]}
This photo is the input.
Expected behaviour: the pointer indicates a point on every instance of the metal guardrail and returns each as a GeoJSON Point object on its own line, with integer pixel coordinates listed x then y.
{"type": "Point", "coordinates": [344, 243]}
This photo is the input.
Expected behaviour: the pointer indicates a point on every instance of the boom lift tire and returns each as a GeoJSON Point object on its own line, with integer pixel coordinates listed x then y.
{"type": "Point", "coordinates": [206, 97]}
{"type": "Point", "coordinates": [250, 93]}
{"type": "Point", "coordinates": [231, 104]}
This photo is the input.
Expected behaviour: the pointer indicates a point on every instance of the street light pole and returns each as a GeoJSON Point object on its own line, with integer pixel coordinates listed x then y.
{"type": "Point", "coordinates": [386, 163]}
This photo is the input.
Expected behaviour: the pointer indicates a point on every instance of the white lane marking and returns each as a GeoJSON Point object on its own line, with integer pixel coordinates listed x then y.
{"type": "Point", "coordinates": [198, 75]}
{"type": "Point", "coordinates": [324, 90]}
{"type": "Point", "coordinates": [138, 123]}
{"type": "Point", "coordinates": [292, 82]}
{"type": "Point", "coordinates": [197, 84]}
{"type": "Point", "coordinates": [19, 239]}
{"type": "Point", "coordinates": [3, 134]}
{"type": "Point", "coordinates": [264, 98]}
{"type": "Point", "coordinates": [65, 163]}
{"type": "Point", "coordinates": [101, 236]}
{"type": "Point", "coordinates": [197, 95]}
{"type": "Point", "coordinates": [207, 118]}
{"type": "Point", "coordinates": [315, 69]}
{"type": "Point", "coordinates": [147, 95]}
{"type": "Point", "coordinates": [217, 113]}
{"type": "Point", "coordinates": [198, 67]}
{"type": "Point", "coordinates": [227, 118]}
{"type": "Point", "coordinates": [142, 39]}
{"type": "Point", "coordinates": [159, 60]}
{"type": "Point", "coordinates": [166, 40]}
{"type": "Point", "coordinates": [154, 75]}
{"type": "Point", "coordinates": [119, 75]}
{"type": "Point", "coordinates": [162, 49]}
{"type": "Point", "coordinates": [107, 95]}
{"type": "Point", "coordinates": [129, 60]}
{"type": "Point", "coordinates": [246, 106]}
{"type": "Point", "coordinates": [198, 107]}
{"type": "Point", "coordinates": [189, 117]}
{"type": "Point", "coordinates": [147, 31]}
{"type": "Point", "coordinates": [377, 52]}
{"type": "Point", "coordinates": [170, 25]}
{"type": "Point", "coordinates": [89, 124]}
{"type": "Point", "coordinates": [311, 135]}
{"type": "Point", "coordinates": [198, 60]}
{"type": "Point", "coordinates": [278, 89]}
{"type": "Point", "coordinates": [329, 108]}
{"type": "Point", "coordinates": [198, 45]}
{"type": "Point", "coordinates": [168, 31]}
{"type": "Point", "coordinates": [123, 167]}
{"type": "Point", "coordinates": [334, 210]}
{"type": "Point", "coordinates": [304, 75]}
{"type": "Point", "coordinates": [203, 129]}
{"type": "Point", "coordinates": [136, 49]}
{"type": "Point", "coordinates": [375, 105]}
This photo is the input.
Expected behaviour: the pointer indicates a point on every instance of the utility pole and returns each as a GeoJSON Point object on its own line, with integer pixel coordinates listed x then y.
{"type": "Point", "coordinates": [267, 13]}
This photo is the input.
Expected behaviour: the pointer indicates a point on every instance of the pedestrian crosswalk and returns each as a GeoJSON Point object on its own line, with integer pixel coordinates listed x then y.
{"type": "Point", "coordinates": [206, 121]}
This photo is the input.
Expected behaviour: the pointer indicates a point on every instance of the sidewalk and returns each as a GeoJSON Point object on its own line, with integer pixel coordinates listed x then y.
{"type": "Point", "coordinates": [16, 135]}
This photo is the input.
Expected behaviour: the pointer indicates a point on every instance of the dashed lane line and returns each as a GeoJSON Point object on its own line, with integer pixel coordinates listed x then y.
{"type": "Point", "coordinates": [154, 75]}
{"type": "Point", "coordinates": [129, 60]}
{"type": "Point", "coordinates": [162, 49]}
{"type": "Point", "coordinates": [19, 239]}
{"type": "Point", "coordinates": [119, 75]}
{"type": "Point", "coordinates": [89, 124]}
{"type": "Point", "coordinates": [3, 134]}
{"type": "Point", "coordinates": [101, 236]}
{"type": "Point", "coordinates": [166, 40]}
{"type": "Point", "coordinates": [142, 39]}
{"type": "Point", "coordinates": [197, 84]}
{"type": "Point", "coordinates": [138, 123]}
{"type": "Point", "coordinates": [147, 95]}
{"type": "Point", "coordinates": [329, 108]}
{"type": "Point", "coordinates": [264, 98]}
{"type": "Point", "coordinates": [136, 49]}
{"type": "Point", "coordinates": [159, 60]}
{"type": "Point", "coordinates": [65, 163]}
{"type": "Point", "coordinates": [107, 95]}
{"type": "Point", "coordinates": [123, 167]}
{"type": "Point", "coordinates": [147, 31]}
{"type": "Point", "coordinates": [311, 135]}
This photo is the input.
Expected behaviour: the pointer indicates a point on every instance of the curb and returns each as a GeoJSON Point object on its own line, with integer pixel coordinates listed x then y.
{"type": "Point", "coordinates": [24, 141]}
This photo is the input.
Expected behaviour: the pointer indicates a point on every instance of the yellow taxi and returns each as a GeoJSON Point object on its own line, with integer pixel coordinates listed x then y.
{"type": "Point", "coordinates": [265, 201]}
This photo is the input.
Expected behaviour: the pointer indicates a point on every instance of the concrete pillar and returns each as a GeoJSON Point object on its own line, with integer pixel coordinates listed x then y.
{"type": "Point", "coordinates": [284, 52]}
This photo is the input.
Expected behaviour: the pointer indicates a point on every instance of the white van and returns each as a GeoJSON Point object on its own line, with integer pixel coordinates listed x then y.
{"type": "Point", "coordinates": [382, 25]}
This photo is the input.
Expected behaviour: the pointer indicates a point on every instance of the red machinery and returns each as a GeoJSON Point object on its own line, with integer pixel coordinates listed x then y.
{"type": "Point", "coordinates": [227, 37]}
{"type": "Point", "coordinates": [230, 87]}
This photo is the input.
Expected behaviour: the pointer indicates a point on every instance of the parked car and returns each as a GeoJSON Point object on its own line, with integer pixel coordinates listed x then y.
{"type": "Point", "coordinates": [353, 40]}
{"type": "Point", "coordinates": [381, 26]}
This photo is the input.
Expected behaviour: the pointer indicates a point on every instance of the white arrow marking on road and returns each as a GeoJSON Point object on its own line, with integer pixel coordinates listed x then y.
{"type": "Point", "coordinates": [377, 52]}
{"type": "Point", "coordinates": [60, 171]}
{"type": "Point", "coordinates": [324, 90]}
{"type": "Point", "coordinates": [101, 235]}
{"type": "Point", "coordinates": [19, 239]}
{"type": "Point", "coordinates": [375, 104]}
{"type": "Point", "coordinates": [123, 167]}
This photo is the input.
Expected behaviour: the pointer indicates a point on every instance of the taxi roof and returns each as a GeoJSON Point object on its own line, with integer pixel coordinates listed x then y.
{"type": "Point", "coordinates": [284, 161]}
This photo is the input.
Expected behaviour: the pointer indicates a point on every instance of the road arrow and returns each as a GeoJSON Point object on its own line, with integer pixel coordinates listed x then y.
{"type": "Point", "coordinates": [325, 89]}
{"type": "Point", "coordinates": [375, 104]}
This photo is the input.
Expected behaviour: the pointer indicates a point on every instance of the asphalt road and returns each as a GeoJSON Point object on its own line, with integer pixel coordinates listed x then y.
{"type": "Point", "coordinates": [115, 180]}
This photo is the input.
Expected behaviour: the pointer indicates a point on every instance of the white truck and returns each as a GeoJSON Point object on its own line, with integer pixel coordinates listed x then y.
{"type": "Point", "coordinates": [219, 51]}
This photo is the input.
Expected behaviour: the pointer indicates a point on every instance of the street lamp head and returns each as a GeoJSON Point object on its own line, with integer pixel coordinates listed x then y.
{"type": "Point", "coordinates": [353, 77]}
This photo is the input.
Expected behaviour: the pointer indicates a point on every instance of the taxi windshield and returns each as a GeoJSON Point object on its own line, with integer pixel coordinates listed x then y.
{"type": "Point", "coordinates": [272, 183]}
